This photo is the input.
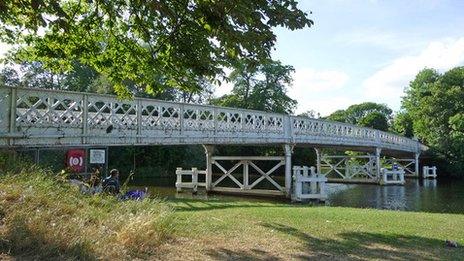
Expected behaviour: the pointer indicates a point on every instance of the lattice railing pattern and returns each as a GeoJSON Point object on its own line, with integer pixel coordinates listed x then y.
{"type": "Point", "coordinates": [42, 109]}
{"type": "Point", "coordinates": [39, 109]}
{"type": "Point", "coordinates": [307, 126]}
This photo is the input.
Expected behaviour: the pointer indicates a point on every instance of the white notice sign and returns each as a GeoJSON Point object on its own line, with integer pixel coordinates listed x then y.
{"type": "Point", "coordinates": [97, 156]}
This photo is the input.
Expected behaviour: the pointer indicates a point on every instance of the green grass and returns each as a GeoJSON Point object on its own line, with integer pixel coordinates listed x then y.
{"type": "Point", "coordinates": [253, 230]}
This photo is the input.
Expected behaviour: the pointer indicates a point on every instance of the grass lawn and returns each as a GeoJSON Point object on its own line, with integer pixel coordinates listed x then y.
{"type": "Point", "coordinates": [43, 217]}
{"type": "Point", "coordinates": [252, 230]}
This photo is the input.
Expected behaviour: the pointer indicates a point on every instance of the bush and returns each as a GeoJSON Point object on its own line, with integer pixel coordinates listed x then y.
{"type": "Point", "coordinates": [43, 217]}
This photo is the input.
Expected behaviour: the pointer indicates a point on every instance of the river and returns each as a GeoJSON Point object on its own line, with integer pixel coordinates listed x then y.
{"type": "Point", "coordinates": [440, 196]}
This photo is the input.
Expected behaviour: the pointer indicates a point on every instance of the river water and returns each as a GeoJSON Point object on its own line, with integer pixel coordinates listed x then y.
{"type": "Point", "coordinates": [440, 196]}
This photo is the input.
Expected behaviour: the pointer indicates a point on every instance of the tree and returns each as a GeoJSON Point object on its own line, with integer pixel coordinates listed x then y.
{"type": "Point", "coordinates": [155, 44]}
{"type": "Point", "coordinates": [84, 79]}
{"type": "Point", "coordinates": [435, 104]}
{"type": "Point", "coordinates": [374, 120]}
{"type": "Point", "coordinates": [338, 115]}
{"type": "Point", "coordinates": [260, 88]}
{"type": "Point", "coordinates": [402, 124]}
{"type": "Point", "coordinates": [367, 114]}
{"type": "Point", "coordinates": [9, 77]}
{"type": "Point", "coordinates": [310, 114]}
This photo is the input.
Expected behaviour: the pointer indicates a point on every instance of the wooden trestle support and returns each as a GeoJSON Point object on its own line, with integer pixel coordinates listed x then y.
{"type": "Point", "coordinates": [307, 182]}
{"type": "Point", "coordinates": [366, 168]}
{"type": "Point", "coordinates": [239, 173]}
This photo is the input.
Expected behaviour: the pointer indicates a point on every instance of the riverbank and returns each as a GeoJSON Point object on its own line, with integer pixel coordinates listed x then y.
{"type": "Point", "coordinates": [42, 218]}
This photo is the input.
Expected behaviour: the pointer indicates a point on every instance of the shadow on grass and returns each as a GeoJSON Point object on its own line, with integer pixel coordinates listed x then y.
{"type": "Point", "coordinates": [252, 255]}
{"type": "Point", "coordinates": [23, 244]}
{"type": "Point", "coordinates": [352, 246]}
{"type": "Point", "coordinates": [200, 204]}
{"type": "Point", "coordinates": [364, 245]}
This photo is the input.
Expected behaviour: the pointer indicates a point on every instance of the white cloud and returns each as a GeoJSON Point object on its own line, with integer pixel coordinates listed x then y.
{"type": "Point", "coordinates": [313, 89]}
{"type": "Point", "coordinates": [310, 86]}
{"type": "Point", "coordinates": [387, 84]}
{"type": "Point", "coordinates": [308, 80]}
{"type": "Point", "coordinates": [393, 41]}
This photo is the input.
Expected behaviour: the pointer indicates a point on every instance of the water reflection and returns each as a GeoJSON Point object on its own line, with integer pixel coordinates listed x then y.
{"type": "Point", "coordinates": [441, 196]}
{"type": "Point", "coordinates": [429, 183]}
{"type": "Point", "coordinates": [415, 195]}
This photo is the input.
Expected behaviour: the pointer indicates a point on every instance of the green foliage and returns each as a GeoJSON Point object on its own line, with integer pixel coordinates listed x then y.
{"type": "Point", "coordinates": [402, 124]}
{"type": "Point", "coordinates": [263, 87]}
{"type": "Point", "coordinates": [367, 114]}
{"type": "Point", "coordinates": [375, 120]}
{"type": "Point", "coordinates": [435, 104]}
{"type": "Point", "coordinates": [155, 161]}
{"type": "Point", "coordinates": [82, 78]}
{"type": "Point", "coordinates": [153, 44]}
{"type": "Point", "coordinates": [44, 217]}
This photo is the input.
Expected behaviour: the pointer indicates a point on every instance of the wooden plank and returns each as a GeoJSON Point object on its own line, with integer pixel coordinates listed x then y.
{"type": "Point", "coordinates": [351, 181]}
{"type": "Point", "coordinates": [266, 192]}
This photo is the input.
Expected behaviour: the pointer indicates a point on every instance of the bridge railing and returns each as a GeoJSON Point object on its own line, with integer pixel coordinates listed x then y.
{"type": "Point", "coordinates": [92, 117]}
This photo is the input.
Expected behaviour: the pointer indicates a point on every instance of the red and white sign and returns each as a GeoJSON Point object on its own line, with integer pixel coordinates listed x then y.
{"type": "Point", "coordinates": [75, 160]}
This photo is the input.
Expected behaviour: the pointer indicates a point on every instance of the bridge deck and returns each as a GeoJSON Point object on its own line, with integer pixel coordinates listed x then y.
{"type": "Point", "coordinates": [41, 117]}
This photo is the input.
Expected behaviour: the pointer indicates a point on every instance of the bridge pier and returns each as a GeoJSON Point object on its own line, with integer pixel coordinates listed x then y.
{"type": "Point", "coordinates": [209, 150]}
{"type": "Point", "coordinates": [318, 160]}
{"type": "Point", "coordinates": [416, 165]}
{"type": "Point", "coordinates": [288, 149]}
{"type": "Point", "coordinates": [378, 164]}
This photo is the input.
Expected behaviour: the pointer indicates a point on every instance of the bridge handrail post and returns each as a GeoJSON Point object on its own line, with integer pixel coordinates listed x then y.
{"type": "Point", "coordinates": [181, 118]}
{"type": "Point", "coordinates": [215, 121]}
{"type": "Point", "coordinates": [377, 138]}
{"type": "Point", "coordinates": [288, 128]}
{"type": "Point", "coordinates": [139, 121]}
{"type": "Point", "coordinates": [85, 117]}
{"type": "Point", "coordinates": [13, 99]}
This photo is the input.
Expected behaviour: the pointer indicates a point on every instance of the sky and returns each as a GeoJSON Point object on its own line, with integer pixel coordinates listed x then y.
{"type": "Point", "coordinates": [367, 50]}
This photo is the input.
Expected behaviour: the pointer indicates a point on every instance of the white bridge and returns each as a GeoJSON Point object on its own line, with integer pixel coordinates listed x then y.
{"type": "Point", "coordinates": [51, 118]}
